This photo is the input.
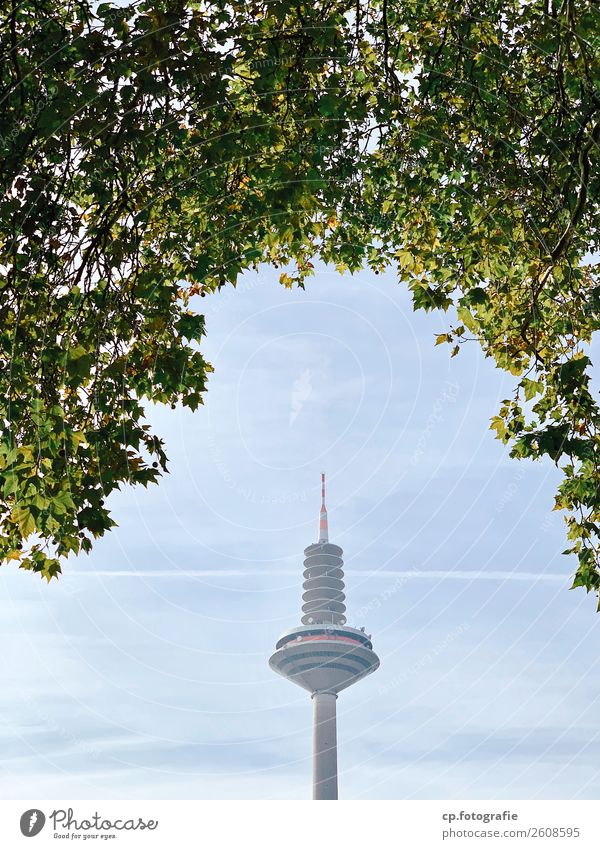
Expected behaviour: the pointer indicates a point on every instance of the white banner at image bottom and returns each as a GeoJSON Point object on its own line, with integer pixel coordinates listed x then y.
{"type": "Point", "coordinates": [301, 824]}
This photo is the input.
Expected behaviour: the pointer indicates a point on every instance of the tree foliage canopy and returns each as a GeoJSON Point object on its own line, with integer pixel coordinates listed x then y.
{"type": "Point", "coordinates": [153, 151]}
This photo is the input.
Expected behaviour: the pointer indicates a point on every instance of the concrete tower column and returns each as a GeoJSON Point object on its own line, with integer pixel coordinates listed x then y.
{"type": "Point", "coordinates": [325, 785]}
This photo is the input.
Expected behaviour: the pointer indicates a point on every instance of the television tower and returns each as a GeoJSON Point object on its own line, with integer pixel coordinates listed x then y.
{"type": "Point", "coordinates": [324, 655]}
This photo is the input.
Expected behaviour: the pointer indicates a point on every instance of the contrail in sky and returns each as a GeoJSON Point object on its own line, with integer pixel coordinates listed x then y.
{"type": "Point", "coordinates": [440, 575]}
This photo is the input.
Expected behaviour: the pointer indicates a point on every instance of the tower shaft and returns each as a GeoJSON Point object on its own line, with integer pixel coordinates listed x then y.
{"type": "Point", "coordinates": [325, 784]}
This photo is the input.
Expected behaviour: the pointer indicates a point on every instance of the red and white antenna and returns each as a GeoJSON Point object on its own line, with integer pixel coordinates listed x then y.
{"type": "Point", "coordinates": [323, 526]}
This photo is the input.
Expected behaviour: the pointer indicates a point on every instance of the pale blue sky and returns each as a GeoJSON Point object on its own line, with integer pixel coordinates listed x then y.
{"type": "Point", "coordinates": [143, 672]}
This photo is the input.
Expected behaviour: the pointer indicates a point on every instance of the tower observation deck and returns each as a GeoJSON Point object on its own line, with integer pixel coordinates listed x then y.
{"type": "Point", "coordinates": [324, 655]}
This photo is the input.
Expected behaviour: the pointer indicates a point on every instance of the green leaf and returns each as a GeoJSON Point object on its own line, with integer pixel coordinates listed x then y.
{"type": "Point", "coordinates": [190, 326]}
{"type": "Point", "coordinates": [24, 519]}
{"type": "Point", "coordinates": [532, 388]}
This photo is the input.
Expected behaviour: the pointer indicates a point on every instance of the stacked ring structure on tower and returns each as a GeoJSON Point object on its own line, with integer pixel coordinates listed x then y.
{"type": "Point", "coordinates": [323, 597]}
